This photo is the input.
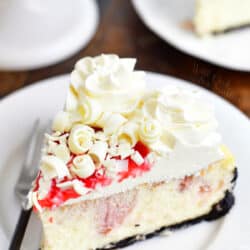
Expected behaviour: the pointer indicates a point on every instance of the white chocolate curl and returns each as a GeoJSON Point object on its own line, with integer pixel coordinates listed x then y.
{"type": "Point", "coordinates": [150, 131]}
{"type": "Point", "coordinates": [59, 150]}
{"type": "Point", "coordinates": [62, 122]}
{"type": "Point", "coordinates": [89, 111]}
{"type": "Point", "coordinates": [98, 151]}
{"type": "Point", "coordinates": [129, 133]}
{"type": "Point", "coordinates": [124, 150]}
{"type": "Point", "coordinates": [44, 188]}
{"type": "Point", "coordinates": [65, 184]}
{"type": "Point", "coordinates": [35, 201]}
{"type": "Point", "coordinates": [80, 139]}
{"type": "Point", "coordinates": [83, 166]}
{"type": "Point", "coordinates": [52, 167]}
{"type": "Point", "coordinates": [111, 122]}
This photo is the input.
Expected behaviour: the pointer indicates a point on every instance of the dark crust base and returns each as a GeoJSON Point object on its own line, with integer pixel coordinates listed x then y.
{"type": "Point", "coordinates": [218, 210]}
{"type": "Point", "coordinates": [229, 30]}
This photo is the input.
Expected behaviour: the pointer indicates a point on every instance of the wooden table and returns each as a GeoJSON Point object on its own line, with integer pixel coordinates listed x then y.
{"type": "Point", "coordinates": [121, 31]}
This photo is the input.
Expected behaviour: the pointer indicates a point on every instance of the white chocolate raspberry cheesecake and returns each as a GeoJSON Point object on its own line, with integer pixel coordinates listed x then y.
{"type": "Point", "coordinates": [125, 162]}
{"type": "Point", "coordinates": [213, 16]}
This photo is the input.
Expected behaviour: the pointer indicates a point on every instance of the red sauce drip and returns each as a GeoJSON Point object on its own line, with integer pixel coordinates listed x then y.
{"type": "Point", "coordinates": [142, 149]}
{"type": "Point", "coordinates": [70, 162]}
{"type": "Point", "coordinates": [58, 196]}
{"type": "Point", "coordinates": [134, 170]}
{"type": "Point", "coordinates": [98, 178]}
{"type": "Point", "coordinates": [36, 186]}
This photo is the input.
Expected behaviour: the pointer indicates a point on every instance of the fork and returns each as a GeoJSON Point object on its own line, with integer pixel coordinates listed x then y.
{"type": "Point", "coordinates": [24, 183]}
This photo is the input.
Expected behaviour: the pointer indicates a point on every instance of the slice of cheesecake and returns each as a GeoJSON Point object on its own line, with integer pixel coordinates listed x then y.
{"type": "Point", "coordinates": [215, 16]}
{"type": "Point", "coordinates": [124, 162]}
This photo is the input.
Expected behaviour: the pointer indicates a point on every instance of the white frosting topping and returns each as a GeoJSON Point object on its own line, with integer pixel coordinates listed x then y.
{"type": "Point", "coordinates": [183, 116]}
{"type": "Point", "coordinates": [106, 93]}
{"type": "Point", "coordinates": [104, 83]}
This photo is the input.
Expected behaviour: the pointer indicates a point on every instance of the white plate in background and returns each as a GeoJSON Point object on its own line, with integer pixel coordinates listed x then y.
{"type": "Point", "coordinates": [38, 33]}
{"type": "Point", "coordinates": [19, 110]}
{"type": "Point", "coordinates": [164, 17]}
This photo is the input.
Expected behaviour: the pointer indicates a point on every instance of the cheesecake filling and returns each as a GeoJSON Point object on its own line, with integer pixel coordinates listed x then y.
{"type": "Point", "coordinates": [96, 223]}
{"type": "Point", "coordinates": [213, 16]}
{"type": "Point", "coordinates": [115, 134]}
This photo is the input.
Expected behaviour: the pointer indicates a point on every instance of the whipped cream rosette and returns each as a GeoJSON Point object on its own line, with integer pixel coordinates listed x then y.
{"type": "Point", "coordinates": [105, 78]}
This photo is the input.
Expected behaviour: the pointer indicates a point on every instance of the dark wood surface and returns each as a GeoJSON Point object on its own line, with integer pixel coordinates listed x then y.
{"type": "Point", "coordinates": [121, 31]}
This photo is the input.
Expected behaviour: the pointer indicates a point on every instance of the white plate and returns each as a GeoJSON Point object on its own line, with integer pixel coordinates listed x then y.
{"type": "Point", "coordinates": [19, 110]}
{"type": "Point", "coordinates": [35, 33]}
{"type": "Point", "coordinates": [229, 50]}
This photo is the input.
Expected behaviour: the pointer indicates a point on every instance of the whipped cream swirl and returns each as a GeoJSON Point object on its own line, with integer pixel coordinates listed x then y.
{"type": "Point", "coordinates": [105, 83]}
{"type": "Point", "coordinates": [183, 116]}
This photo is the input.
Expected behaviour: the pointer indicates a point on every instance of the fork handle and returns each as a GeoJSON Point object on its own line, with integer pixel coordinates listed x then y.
{"type": "Point", "coordinates": [20, 229]}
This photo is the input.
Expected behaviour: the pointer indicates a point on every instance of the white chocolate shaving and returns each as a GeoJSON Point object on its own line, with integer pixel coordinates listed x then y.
{"type": "Point", "coordinates": [52, 167]}
{"type": "Point", "coordinates": [124, 150]}
{"type": "Point", "coordinates": [80, 139]}
{"type": "Point", "coordinates": [150, 131]}
{"type": "Point", "coordinates": [121, 165]}
{"type": "Point", "coordinates": [83, 166]}
{"type": "Point", "coordinates": [80, 188]}
{"type": "Point", "coordinates": [59, 150]}
{"type": "Point", "coordinates": [115, 166]}
{"type": "Point", "coordinates": [98, 151]}
{"type": "Point", "coordinates": [35, 202]}
{"type": "Point", "coordinates": [65, 185]}
{"type": "Point", "coordinates": [101, 136]}
{"type": "Point", "coordinates": [129, 133]}
{"type": "Point", "coordinates": [57, 137]}
{"type": "Point", "coordinates": [109, 164]}
{"type": "Point", "coordinates": [137, 158]}
{"type": "Point", "coordinates": [44, 187]}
